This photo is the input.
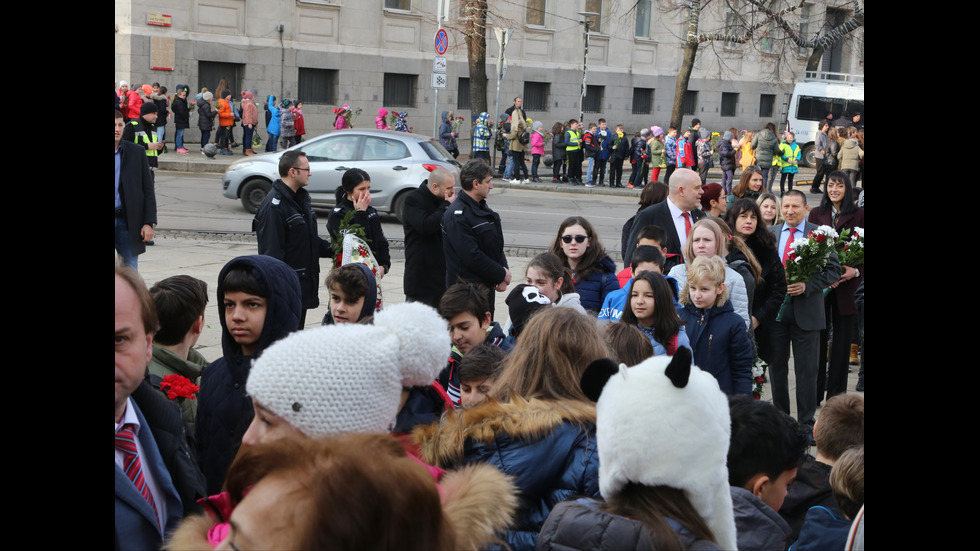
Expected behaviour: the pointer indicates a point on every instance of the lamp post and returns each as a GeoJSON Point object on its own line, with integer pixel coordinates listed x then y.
{"type": "Point", "coordinates": [585, 63]}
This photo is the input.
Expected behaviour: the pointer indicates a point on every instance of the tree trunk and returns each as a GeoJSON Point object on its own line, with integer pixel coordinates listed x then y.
{"type": "Point", "coordinates": [813, 64]}
{"type": "Point", "coordinates": [687, 66]}
{"type": "Point", "coordinates": [476, 53]}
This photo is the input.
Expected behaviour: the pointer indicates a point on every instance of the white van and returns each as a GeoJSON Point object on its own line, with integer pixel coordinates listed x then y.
{"type": "Point", "coordinates": [819, 93]}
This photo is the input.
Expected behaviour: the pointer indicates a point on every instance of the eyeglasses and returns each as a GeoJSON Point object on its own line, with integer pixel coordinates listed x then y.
{"type": "Point", "coordinates": [577, 238]}
{"type": "Point", "coordinates": [298, 168]}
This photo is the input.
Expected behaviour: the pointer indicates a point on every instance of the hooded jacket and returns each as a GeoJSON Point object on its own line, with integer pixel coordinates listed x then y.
{"type": "Point", "coordinates": [182, 113]}
{"type": "Point", "coordinates": [850, 155]}
{"type": "Point", "coordinates": [726, 154]}
{"type": "Point", "coordinates": [272, 127]}
{"type": "Point", "coordinates": [482, 133]}
{"type": "Point", "coordinates": [547, 446]}
{"type": "Point", "coordinates": [765, 145]}
{"type": "Point", "coordinates": [446, 137]}
{"type": "Point", "coordinates": [759, 528]}
{"type": "Point", "coordinates": [224, 410]}
{"type": "Point", "coordinates": [721, 345]}
{"type": "Point", "coordinates": [379, 121]}
{"type": "Point", "coordinates": [165, 362]}
{"type": "Point", "coordinates": [370, 298]}
{"type": "Point", "coordinates": [205, 116]}
{"type": "Point", "coordinates": [810, 488]}
{"type": "Point", "coordinates": [401, 123]}
{"type": "Point", "coordinates": [823, 529]}
{"type": "Point", "coordinates": [226, 113]}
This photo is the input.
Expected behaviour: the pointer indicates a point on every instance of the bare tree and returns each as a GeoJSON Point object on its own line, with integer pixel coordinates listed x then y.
{"type": "Point", "coordinates": [755, 15]}
{"type": "Point", "coordinates": [475, 31]}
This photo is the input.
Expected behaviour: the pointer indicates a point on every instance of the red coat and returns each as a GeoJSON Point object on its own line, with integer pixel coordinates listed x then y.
{"type": "Point", "coordinates": [298, 123]}
{"type": "Point", "coordinates": [130, 104]}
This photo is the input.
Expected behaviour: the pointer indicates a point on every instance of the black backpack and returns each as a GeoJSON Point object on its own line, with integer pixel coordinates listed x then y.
{"type": "Point", "coordinates": [524, 138]}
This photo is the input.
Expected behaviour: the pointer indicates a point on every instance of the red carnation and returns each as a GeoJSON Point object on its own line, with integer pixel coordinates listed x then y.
{"type": "Point", "coordinates": [178, 386]}
{"type": "Point", "coordinates": [820, 238]}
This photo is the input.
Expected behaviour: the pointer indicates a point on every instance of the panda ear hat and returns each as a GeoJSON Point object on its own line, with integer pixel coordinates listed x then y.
{"type": "Point", "coordinates": [664, 422]}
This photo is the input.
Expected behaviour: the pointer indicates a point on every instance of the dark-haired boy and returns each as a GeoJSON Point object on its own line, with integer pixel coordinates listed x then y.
{"type": "Point", "coordinates": [840, 426]}
{"type": "Point", "coordinates": [464, 307]}
{"type": "Point", "coordinates": [766, 448]}
{"type": "Point", "coordinates": [259, 302]}
{"type": "Point", "coordinates": [653, 236]}
{"type": "Point", "coordinates": [478, 371]}
{"type": "Point", "coordinates": [353, 294]}
{"type": "Point", "coordinates": [180, 302]}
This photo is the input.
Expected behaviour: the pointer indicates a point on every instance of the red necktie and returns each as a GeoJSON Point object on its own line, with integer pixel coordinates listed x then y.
{"type": "Point", "coordinates": [687, 223]}
{"type": "Point", "coordinates": [789, 244]}
{"type": "Point", "coordinates": [126, 443]}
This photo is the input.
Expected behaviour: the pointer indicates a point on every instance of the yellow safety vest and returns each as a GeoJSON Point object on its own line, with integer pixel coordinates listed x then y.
{"type": "Point", "coordinates": [142, 138]}
{"type": "Point", "coordinates": [573, 140]}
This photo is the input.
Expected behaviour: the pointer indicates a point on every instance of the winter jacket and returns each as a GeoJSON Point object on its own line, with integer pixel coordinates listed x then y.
{"type": "Point", "coordinates": [547, 446]}
{"type": "Point", "coordinates": [810, 488]}
{"type": "Point", "coordinates": [558, 146]}
{"type": "Point", "coordinates": [734, 282]}
{"type": "Point", "coordinates": [142, 133]}
{"type": "Point", "coordinates": [370, 303]}
{"type": "Point", "coordinates": [425, 262]}
{"type": "Point", "coordinates": [165, 362]}
{"type": "Point", "coordinates": [726, 155]}
{"type": "Point", "coordinates": [379, 121]}
{"type": "Point", "coordinates": [473, 242]}
{"type": "Point", "coordinates": [758, 527]}
{"type": "Point", "coordinates": [299, 123]}
{"type": "Point", "coordinates": [604, 139]}
{"type": "Point", "coordinates": [285, 225]}
{"type": "Point", "coordinates": [704, 151]}
{"type": "Point", "coordinates": [182, 114]}
{"type": "Point", "coordinates": [448, 378]}
{"type": "Point", "coordinates": [830, 158]}
{"type": "Point", "coordinates": [250, 113]}
{"type": "Point", "coordinates": [590, 144]}
{"type": "Point", "coordinates": [130, 104]}
{"type": "Point", "coordinates": [730, 356]}
{"type": "Point", "coordinates": [226, 114]}
{"type": "Point", "coordinates": [224, 410]}
{"type": "Point", "coordinates": [748, 155]}
{"type": "Point", "coordinates": [821, 144]}
{"type": "Point", "coordinates": [537, 142]}
{"type": "Point", "coordinates": [769, 293]}
{"type": "Point", "coordinates": [286, 119]}
{"type": "Point", "coordinates": [657, 151]}
{"type": "Point", "coordinates": [597, 283]}
{"type": "Point", "coordinates": [163, 111]}
{"type": "Point", "coordinates": [616, 301]}
{"type": "Point", "coordinates": [765, 145]}
{"type": "Point", "coordinates": [401, 123]}
{"type": "Point", "coordinates": [685, 154]}
{"type": "Point", "coordinates": [670, 150]}
{"type": "Point", "coordinates": [823, 529]}
{"type": "Point", "coordinates": [446, 134]}
{"type": "Point", "coordinates": [272, 127]}
{"type": "Point", "coordinates": [749, 194]}
{"type": "Point", "coordinates": [850, 155]}
{"type": "Point", "coordinates": [737, 261]}
{"type": "Point", "coordinates": [517, 129]}
{"type": "Point", "coordinates": [482, 133]}
{"type": "Point", "coordinates": [788, 154]}
{"type": "Point", "coordinates": [580, 526]}
{"type": "Point", "coordinates": [367, 219]}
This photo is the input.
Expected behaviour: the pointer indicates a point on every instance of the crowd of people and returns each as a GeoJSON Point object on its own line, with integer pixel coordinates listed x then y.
{"type": "Point", "coordinates": [598, 412]}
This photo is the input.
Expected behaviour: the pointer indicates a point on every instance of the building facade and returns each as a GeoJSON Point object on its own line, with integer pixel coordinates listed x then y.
{"type": "Point", "coordinates": [379, 53]}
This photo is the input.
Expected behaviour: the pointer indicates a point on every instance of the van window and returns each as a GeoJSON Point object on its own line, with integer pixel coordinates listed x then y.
{"type": "Point", "coordinates": [815, 108]}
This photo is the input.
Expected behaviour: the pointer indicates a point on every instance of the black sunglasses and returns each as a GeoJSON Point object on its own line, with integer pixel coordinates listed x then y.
{"type": "Point", "coordinates": [577, 238]}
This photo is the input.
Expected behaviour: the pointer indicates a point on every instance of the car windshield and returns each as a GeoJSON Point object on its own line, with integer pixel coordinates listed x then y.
{"type": "Point", "coordinates": [436, 152]}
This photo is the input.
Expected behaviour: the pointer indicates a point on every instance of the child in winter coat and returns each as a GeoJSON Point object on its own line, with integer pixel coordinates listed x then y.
{"type": "Point", "coordinates": [651, 308]}
{"type": "Point", "coordinates": [340, 121]}
{"type": "Point", "coordinates": [559, 168]}
{"type": "Point", "coordinates": [286, 124]}
{"type": "Point", "coordinates": [748, 154]}
{"type": "Point", "coordinates": [447, 136]}
{"type": "Point", "coordinates": [685, 152]}
{"type": "Point", "coordinates": [726, 158]}
{"type": "Point", "coordinates": [670, 153]}
{"type": "Point", "coordinates": [657, 152]}
{"type": "Point", "coordinates": [379, 122]}
{"type": "Point", "coordinates": [638, 158]}
{"type": "Point", "coordinates": [707, 314]}
{"type": "Point", "coordinates": [620, 151]}
{"type": "Point", "coordinates": [272, 126]}
{"type": "Point", "coordinates": [481, 137]}
{"type": "Point", "coordinates": [298, 122]}
{"type": "Point", "coordinates": [704, 151]}
{"type": "Point", "coordinates": [537, 148]}
{"type": "Point", "coordinates": [205, 118]}
{"type": "Point", "coordinates": [788, 161]}
{"type": "Point", "coordinates": [401, 123]}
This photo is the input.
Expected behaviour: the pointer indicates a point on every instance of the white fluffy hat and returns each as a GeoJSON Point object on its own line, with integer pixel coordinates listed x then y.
{"type": "Point", "coordinates": [344, 378]}
{"type": "Point", "coordinates": [666, 423]}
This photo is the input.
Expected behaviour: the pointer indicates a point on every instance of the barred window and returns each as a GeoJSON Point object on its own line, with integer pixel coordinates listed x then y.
{"type": "Point", "coordinates": [400, 90]}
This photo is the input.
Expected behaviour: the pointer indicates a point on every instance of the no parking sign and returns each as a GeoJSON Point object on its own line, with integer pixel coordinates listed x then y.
{"type": "Point", "coordinates": [442, 42]}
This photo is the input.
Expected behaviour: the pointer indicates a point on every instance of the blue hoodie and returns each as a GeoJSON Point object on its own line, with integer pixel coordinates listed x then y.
{"type": "Point", "coordinates": [273, 126]}
{"type": "Point", "coordinates": [224, 410]}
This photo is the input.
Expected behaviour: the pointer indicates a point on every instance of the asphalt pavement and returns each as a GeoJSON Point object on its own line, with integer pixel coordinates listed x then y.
{"type": "Point", "coordinates": [202, 255]}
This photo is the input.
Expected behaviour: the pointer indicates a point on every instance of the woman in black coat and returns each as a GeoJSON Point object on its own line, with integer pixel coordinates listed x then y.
{"type": "Point", "coordinates": [182, 115]}
{"type": "Point", "coordinates": [745, 219]}
{"type": "Point", "coordinates": [354, 193]}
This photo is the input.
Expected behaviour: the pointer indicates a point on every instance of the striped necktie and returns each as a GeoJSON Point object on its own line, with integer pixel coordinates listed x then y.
{"type": "Point", "coordinates": [126, 443]}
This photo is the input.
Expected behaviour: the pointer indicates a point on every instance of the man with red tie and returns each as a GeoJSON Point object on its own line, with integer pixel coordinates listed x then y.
{"type": "Point", "coordinates": [802, 320]}
{"type": "Point", "coordinates": [157, 481]}
{"type": "Point", "coordinates": [675, 215]}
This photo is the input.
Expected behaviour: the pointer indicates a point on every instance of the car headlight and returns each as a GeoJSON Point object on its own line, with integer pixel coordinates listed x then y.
{"type": "Point", "coordinates": [239, 165]}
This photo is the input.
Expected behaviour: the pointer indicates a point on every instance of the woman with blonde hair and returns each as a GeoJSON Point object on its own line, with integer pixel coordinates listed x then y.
{"type": "Point", "coordinates": [769, 209]}
{"type": "Point", "coordinates": [536, 426]}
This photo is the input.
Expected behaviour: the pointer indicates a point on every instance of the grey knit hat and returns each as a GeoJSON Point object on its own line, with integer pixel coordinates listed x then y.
{"type": "Point", "coordinates": [338, 379]}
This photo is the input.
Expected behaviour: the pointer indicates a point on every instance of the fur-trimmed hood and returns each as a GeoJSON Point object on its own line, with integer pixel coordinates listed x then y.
{"type": "Point", "coordinates": [478, 501]}
{"type": "Point", "coordinates": [442, 444]}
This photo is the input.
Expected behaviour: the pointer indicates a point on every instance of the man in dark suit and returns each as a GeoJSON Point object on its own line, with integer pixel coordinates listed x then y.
{"type": "Point", "coordinates": [136, 203]}
{"type": "Point", "coordinates": [152, 496]}
{"type": "Point", "coordinates": [675, 215]}
{"type": "Point", "coordinates": [425, 263]}
{"type": "Point", "coordinates": [801, 321]}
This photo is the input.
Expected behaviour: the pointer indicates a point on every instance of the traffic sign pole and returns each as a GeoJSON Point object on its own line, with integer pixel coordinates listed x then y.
{"type": "Point", "coordinates": [442, 46]}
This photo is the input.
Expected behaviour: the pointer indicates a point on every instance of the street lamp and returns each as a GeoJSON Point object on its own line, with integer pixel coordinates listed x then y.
{"type": "Point", "coordinates": [585, 63]}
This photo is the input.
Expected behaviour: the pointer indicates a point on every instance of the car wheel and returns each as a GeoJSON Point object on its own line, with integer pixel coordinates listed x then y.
{"type": "Point", "coordinates": [398, 206]}
{"type": "Point", "coordinates": [253, 193]}
{"type": "Point", "coordinates": [809, 155]}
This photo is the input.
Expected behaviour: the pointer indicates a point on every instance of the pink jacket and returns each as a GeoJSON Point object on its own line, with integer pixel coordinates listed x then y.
{"type": "Point", "coordinates": [379, 121]}
{"type": "Point", "coordinates": [537, 143]}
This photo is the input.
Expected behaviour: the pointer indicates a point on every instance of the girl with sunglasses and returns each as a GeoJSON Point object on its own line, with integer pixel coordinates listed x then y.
{"type": "Point", "coordinates": [593, 272]}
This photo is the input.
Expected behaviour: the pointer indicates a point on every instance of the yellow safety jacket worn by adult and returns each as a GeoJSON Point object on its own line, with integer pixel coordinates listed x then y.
{"type": "Point", "coordinates": [142, 137]}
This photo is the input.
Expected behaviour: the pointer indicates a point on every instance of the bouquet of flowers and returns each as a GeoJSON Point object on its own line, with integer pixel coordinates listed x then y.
{"type": "Point", "coordinates": [547, 137]}
{"type": "Point", "coordinates": [178, 386]}
{"type": "Point", "coordinates": [850, 247]}
{"type": "Point", "coordinates": [353, 248]}
{"type": "Point", "coordinates": [191, 104]}
{"type": "Point", "coordinates": [410, 129]}
{"type": "Point", "coordinates": [350, 116]}
{"type": "Point", "coordinates": [807, 257]}
{"type": "Point", "coordinates": [758, 377]}
{"type": "Point", "coordinates": [456, 122]}
{"type": "Point", "coordinates": [392, 117]}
